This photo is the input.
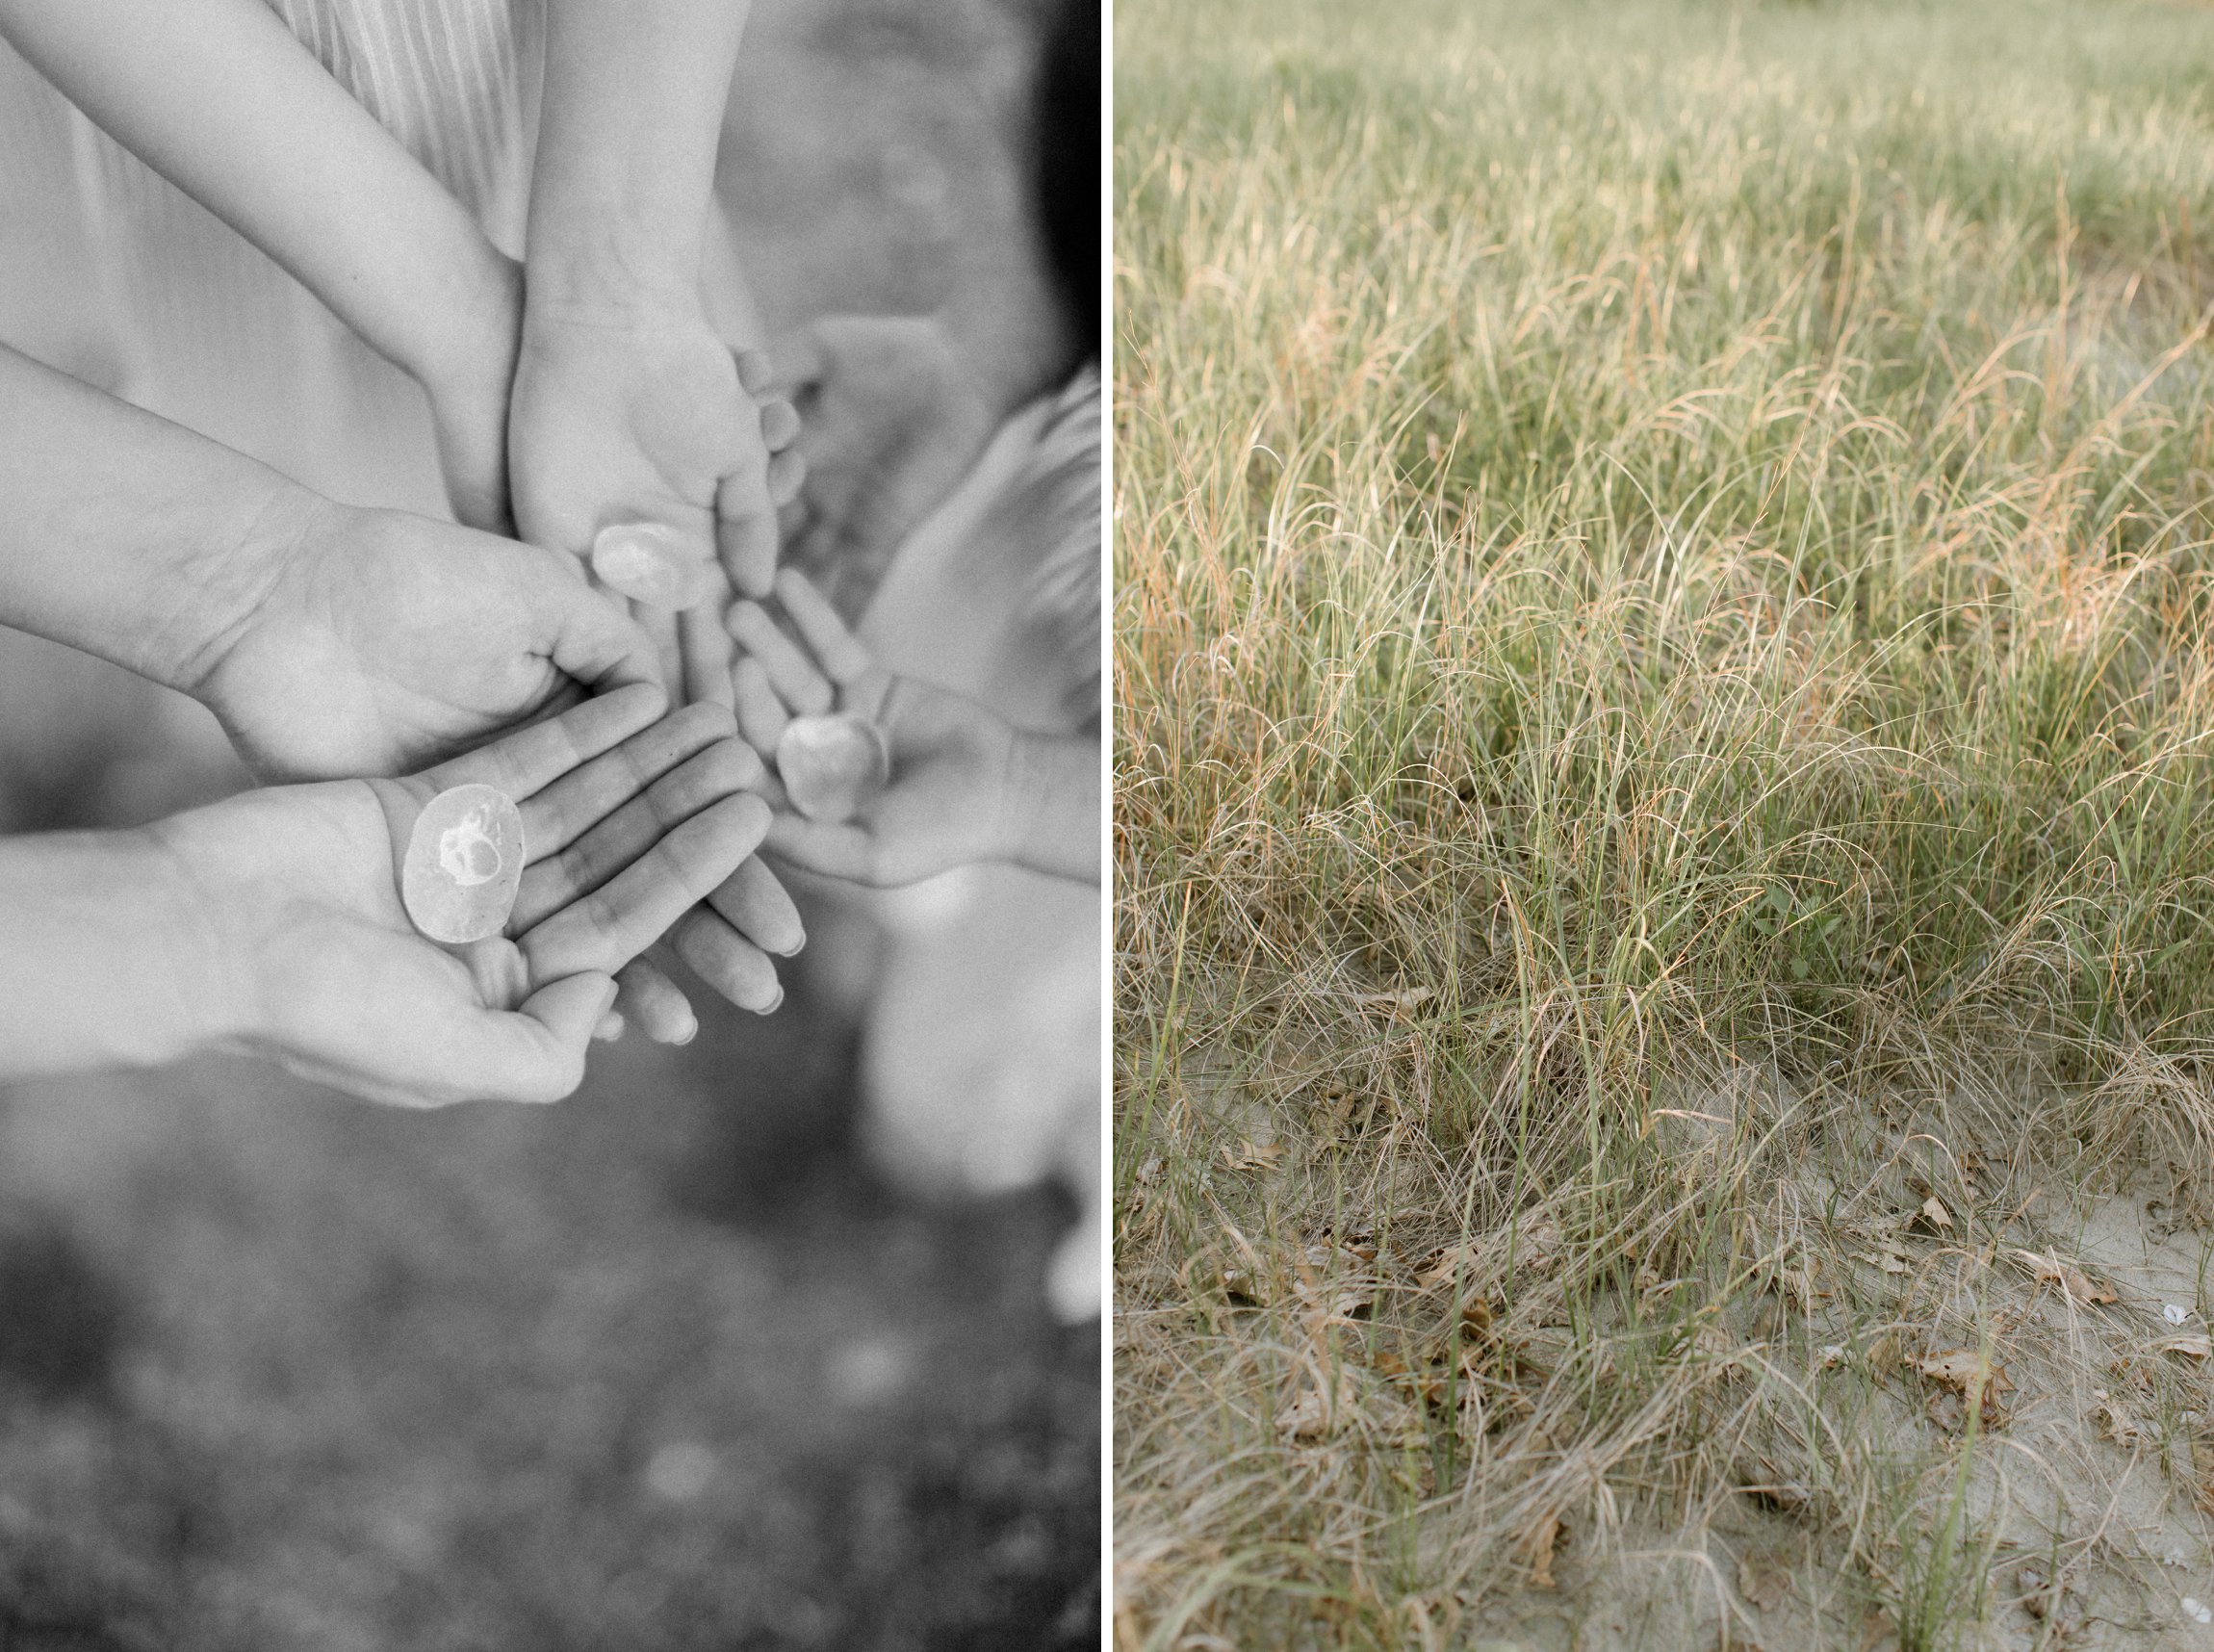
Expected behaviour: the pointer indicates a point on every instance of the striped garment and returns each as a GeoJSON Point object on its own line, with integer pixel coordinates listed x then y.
{"type": "Point", "coordinates": [182, 315]}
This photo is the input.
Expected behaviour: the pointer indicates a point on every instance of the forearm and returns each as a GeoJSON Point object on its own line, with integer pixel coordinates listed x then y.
{"type": "Point", "coordinates": [128, 536]}
{"type": "Point", "coordinates": [96, 967]}
{"type": "Point", "coordinates": [1054, 820]}
{"type": "Point", "coordinates": [219, 97]}
{"type": "Point", "coordinates": [630, 118]}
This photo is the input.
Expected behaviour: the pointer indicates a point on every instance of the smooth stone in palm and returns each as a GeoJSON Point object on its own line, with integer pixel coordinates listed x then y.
{"type": "Point", "coordinates": [464, 865]}
{"type": "Point", "coordinates": [832, 765]}
{"type": "Point", "coordinates": [649, 563]}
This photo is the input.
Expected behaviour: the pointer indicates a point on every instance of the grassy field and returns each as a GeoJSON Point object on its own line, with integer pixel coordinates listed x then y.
{"type": "Point", "coordinates": [1665, 904]}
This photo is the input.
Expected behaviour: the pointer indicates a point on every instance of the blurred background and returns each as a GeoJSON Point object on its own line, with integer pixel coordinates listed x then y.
{"type": "Point", "coordinates": [768, 1341]}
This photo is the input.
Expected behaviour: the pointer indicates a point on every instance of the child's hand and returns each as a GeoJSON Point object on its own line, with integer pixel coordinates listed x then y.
{"type": "Point", "coordinates": [951, 797]}
{"type": "Point", "coordinates": [641, 413]}
{"type": "Point", "coordinates": [313, 959]}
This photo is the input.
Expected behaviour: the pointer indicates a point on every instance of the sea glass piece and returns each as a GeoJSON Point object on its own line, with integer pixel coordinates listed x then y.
{"type": "Point", "coordinates": [832, 765]}
{"type": "Point", "coordinates": [650, 563]}
{"type": "Point", "coordinates": [464, 865]}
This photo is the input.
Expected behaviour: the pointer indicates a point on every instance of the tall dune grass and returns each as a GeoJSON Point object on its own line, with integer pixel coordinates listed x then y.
{"type": "Point", "coordinates": [1662, 617]}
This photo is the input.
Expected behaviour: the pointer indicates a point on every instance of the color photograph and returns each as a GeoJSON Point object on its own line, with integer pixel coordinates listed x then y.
{"type": "Point", "coordinates": [1663, 977]}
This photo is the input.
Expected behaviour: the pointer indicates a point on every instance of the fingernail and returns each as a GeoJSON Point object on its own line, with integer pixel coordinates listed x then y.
{"type": "Point", "coordinates": [687, 1035]}
{"type": "Point", "coordinates": [773, 1005]}
{"type": "Point", "coordinates": [794, 950]}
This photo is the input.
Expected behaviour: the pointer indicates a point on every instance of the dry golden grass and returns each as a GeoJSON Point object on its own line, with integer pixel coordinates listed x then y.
{"type": "Point", "coordinates": [1663, 919]}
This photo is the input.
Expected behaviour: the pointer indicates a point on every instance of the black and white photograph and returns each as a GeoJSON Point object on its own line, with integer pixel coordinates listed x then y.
{"type": "Point", "coordinates": [552, 825]}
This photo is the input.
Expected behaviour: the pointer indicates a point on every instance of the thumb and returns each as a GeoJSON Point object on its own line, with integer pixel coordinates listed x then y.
{"type": "Point", "coordinates": [538, 1051]}
{"type": "Point", "coordinates": [594, 642]}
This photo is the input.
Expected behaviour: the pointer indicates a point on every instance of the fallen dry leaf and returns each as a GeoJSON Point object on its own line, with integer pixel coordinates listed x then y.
{"type": "Point", "coordinates": [1946, 1409]}
{"type": "Point", "coordinates": [1764, 1584]}
{"type": "Point", "coordinates": [2116, 1422]}
{"type": "Point", "coordinates": [1799, 1286]}
{"type": "Point", "coordinates": [1241, 1285]}
{"type": "Point", "coordinates": [2077, 1286]}
{"type": "Point", "coordinates": [1423, 1383]}
{"type": "Point", "coordinates": [1149, 1172]}
{"type": "Point", "coordinates": [1332, 1300]}
{"type": "Point", "coordinates": [1936, 1215]}
{"type": "Point", "coordinates": [1251, 1156]}
{"type": "Point", "coordinates": [1964, 1371]}
{"type": "Point", "coordinates": [1307, 1418]}
{"type": "Point", "coordinates": [1890, 1258]}
{"type": "Point", "coordinates": [1411, 998]}
{"type": "Point", "coordinates": [1454, 1261]}
{"type": "Point", "coordinates": [2197, 1345]}
{"type": "Point", "coordinates": [1536, 1547]}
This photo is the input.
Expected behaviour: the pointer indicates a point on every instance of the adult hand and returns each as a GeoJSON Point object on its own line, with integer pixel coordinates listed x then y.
{"type": "Point", "coordinates": [311, 958]}
{"type": "Point", "coordinates": [377, 642]}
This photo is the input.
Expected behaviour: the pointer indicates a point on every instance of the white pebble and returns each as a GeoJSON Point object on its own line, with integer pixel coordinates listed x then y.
{"type": "Point", "coordinates": [2175, 1314]}
{"type": "Point", "coordinates": [2196, 1613]}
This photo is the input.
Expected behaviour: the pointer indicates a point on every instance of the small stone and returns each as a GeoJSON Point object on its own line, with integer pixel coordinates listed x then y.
{"type": "Point", "coordinates": [2197, 1612]}
{"type": "Point", "coordinates": [464, 865]}
{"type": "Point", "coordinates": [832, 765]}
{"type": "Point", "coordinates": [2174, 1313]}
{"type": "Point", "coordinates": [649, 563]}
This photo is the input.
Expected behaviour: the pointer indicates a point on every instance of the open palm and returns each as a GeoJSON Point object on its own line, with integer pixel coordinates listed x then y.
{"type": "Point", "coordinates": [330, 977]}
{"type": "Point", "coordinates": [942, 804]}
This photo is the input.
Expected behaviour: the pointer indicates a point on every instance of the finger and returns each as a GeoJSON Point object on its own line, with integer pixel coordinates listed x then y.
{"type": "Point", "coordinates": [566, 810]}
{"type": "Point", "coordinates": [705, 651]}
{"type": "Point", "coordinates": [835, 848]}
{"type": "Point", "coordinates": [552, 1032]}
{"type": "Point", "coordinates": [762, 715]}
{"type": "Point", "coordinates": [526, 762]}
{"type": "Point", "coordinates": [607, 928]}
{"type": "Point", "coordinates": [746, 529]}
{"type": "Point", "coordinates": [657, 1003]}
{"type": "Point", "coordinates": [788, 474]}
{"type": "Point", "coordinates": [629, 831]}
{"type": "Point", "coordinates": [756, 372]}
{"type": "Point", "coordinates": [836, 650]}
{"type": "Point", "coordinates": [780, 424]}
{"type": "Point", "coordinates": [759, 908]}
{"type": "Point", "coordinates": [595, 643]}
{"type": "Point", "coordinates": [793, 675]}
{"type": "Point", "coordinates": [535, 1053]}
{"type": "Point", "coordinates": [727, 962]}
{"type": "Point", "coordinates": [610, 1028]}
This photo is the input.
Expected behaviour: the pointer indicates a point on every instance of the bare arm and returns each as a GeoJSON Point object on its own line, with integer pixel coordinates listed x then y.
{"type": "Point", "coordinates": [97, 965]}
{"type": "Point", "coordinates": [220, 98]}
{"type": "Point", "coordinates": [632, 113]}
{"type": "Point", "coordinates": [128, 536]}
{"type": "Point", "coordinates": [628, 406]}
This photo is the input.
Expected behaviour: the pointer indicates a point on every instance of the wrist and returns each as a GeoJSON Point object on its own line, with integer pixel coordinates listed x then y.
{"type": "Point", "coordinates": [235, 579]}
{"type": "Point", "coordinates": [107, 960]}
{"type": "Point", "coordinates": [195, 974]}
{"type": "Point", "coordinates": [466, 355]}
{"type": "Point", "coordinates": [613, 282]}
{"type": "Point", "coordinates": [1049, 809]}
